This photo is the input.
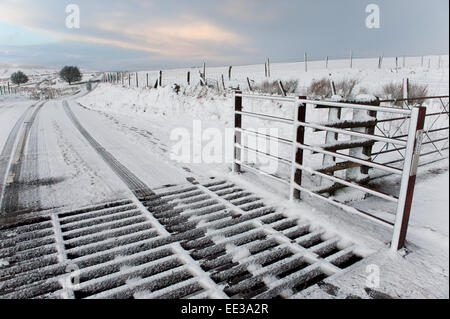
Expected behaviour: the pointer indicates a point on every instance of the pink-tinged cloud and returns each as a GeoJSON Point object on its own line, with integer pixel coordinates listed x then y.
{"type": "Point", "coordinates": [171, 36]}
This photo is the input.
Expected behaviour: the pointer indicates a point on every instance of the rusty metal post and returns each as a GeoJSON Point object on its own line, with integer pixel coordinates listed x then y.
{"type": "Point", "coordinates": [412, 156]}
{"type": "Point", "coordinates": [297, 157]}
{"type": "Point", "coordinates": [237, 134]}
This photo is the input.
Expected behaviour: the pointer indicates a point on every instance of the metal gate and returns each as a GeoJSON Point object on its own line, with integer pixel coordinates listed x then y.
{"type": "Point", "coordinates": [410, 143]}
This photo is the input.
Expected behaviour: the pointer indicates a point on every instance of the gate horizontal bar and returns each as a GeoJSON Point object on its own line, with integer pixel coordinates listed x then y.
{"type": "Point", "coordinates": [270, 137]}
{"type": "Point", "coordinates": [349, 184]}
{"type": "Point", "coordinates": [266, 117]}
{"type": "Point", "coordinates": [267, 97]}
{"type": "Point", "coordinates": [351, 159]}
{"type": "Point", "coordinates": [345, 207]}
{"type": "Point", "coordinates": [243, 147]}
{"type": "Point", "coordinates": [278, 179]}
{"type": "Point", "coordinates": [353, 133]}
{"type": "Point", "coordinates": [357, 106]}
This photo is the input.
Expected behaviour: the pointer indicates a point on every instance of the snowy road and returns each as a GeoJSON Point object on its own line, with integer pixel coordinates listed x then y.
{"type": "Point", "coordinates": [60, 155]}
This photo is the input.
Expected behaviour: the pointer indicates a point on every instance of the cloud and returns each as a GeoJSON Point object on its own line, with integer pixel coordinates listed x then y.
{"type": "Point", "coordinates": [178, 33]}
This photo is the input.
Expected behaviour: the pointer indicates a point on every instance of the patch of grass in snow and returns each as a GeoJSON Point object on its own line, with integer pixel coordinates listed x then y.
{"type": "Point", "coordinates": [322, 88]}
{"type": "Point", "coordinates": [272, 87]}
{"type": "Point", "coordinates": [395, 91]}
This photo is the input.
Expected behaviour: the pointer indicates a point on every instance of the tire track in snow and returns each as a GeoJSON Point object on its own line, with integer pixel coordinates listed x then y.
{"type": "Point", "coordinates": [7, 151]}
{"type": "Point", "coordinates": [10, 199]}
{"type": "Point", "coordinates": [138, 187]}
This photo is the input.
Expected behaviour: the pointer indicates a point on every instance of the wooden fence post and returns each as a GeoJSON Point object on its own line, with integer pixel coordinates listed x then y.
{"type": "Point", "coordinates": [249, 85]}
{"type": "Point", "coordinates": [237, 134]}
{"type": "Point", "coordinates": [223, 83]}
{"type": "Point", "coordinates": [396, 64]}
{"type": "Point", "coordinates": [129, 80]}
{"type": "Point", "coordinates": [268, 67]}
{"type": "Point", "coordinates": [283, 91]}
{"type": "Point", "coordinates": [204, 71]}
{"type": "Point", "coordinates": [229, 73]}
{"type": "Point", "coordinates": [306, 62]}
{"type": "Point", "coordinates": [137, 80]}
{"type": "Point", "coordinates": [299, 137]}
{"type": "Point", "coordinates": [147, 79]}
{"type": "Point", "coordinates": [351, 59]}
{"type": "Point", "coordinates": [160, 78]}
{"type": "Point", "coordinates": [189, 78]}
{"type": "Point", "coordinates": [405, 91]}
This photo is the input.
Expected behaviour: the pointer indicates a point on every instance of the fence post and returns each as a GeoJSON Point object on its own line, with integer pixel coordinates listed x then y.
{"type": "Point", "coordinates": [160, 78]}
{"type": "Point", "coordinates": [249, 85]}
{"type": "Point", "coordinates": [412, 156]}
{"type": "Point", "coordinates": [229, 73]}
{"type": "Point", "coordinates": [237, 134]}
{"type": "Point", "coordinates": [147, 79]}
{"type": "Point", "coordinates": [189, 78]}
{"type": "Point", "coordinates": [137, 80]}
{"type": "Point", "coordinates": [351, 59]}
{"type": "Point", "coordinates": [297, 153]}
{"type": "Point", "coordinates": [268, 67]}
{"type": "Point", "coordinates": [306, 62]}
{"type": "Point", "coordinates": [405, 92]}
{"type": "Point", "coordinates": [280, 85]}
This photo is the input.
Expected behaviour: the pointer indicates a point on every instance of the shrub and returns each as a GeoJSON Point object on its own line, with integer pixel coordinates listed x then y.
{"type": "Point", "coordinates": [319, 88]}
{"type": "Point", "coordinates": [272, 87]}
{"type": "Point", "coordinates": [394, 91]}
{"type": "Point", "coordinates": [70, 74]}
{"type": "Point", "coordinates": [345, 87]}
{"type": "Point", "coordinates": [322, 88]}
{"type": "Point", "coordinates": [19, 78]}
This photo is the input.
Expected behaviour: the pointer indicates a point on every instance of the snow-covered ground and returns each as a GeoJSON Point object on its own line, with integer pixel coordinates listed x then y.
{"type": "Point", "coordinates": [136, 126]}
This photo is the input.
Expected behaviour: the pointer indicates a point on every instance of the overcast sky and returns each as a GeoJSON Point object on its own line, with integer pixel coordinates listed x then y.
{"type": "Point", "coordinates": [158, 34]}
